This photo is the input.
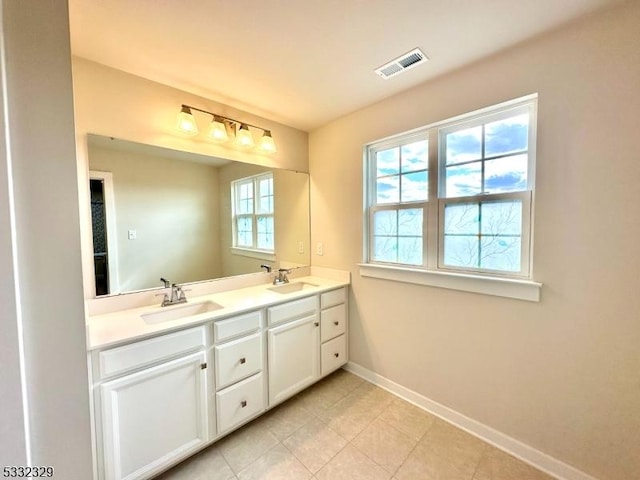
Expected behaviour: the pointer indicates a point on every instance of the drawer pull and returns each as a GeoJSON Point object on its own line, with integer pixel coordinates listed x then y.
{"type": "Point", "coordinates": [336, 355]}
{"type": "Point", "coordinates": [243, 403]}
{"type": "Point", "coordinates": [336, 323]}
{"type": "Point", "coordinates": [243, 360]}
{"type": "Point", "coordinates": [203, 366]}
{"type": "Point", "coordinates": [317, 324]}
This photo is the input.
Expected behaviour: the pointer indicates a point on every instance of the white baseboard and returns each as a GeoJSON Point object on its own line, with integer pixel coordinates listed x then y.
{"type": "Point", "coordinates": [527, 454]}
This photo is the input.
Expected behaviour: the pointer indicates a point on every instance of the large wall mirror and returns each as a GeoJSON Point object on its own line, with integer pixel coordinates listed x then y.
{"type": "Point", "coordinates": [186, 217]}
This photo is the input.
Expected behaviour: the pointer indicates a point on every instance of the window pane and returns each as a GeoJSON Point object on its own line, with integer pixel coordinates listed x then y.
{"type": "Point", "coordinates": [507, 136]}
{"type": "Point", "coordinates": [500, 253]}
{"type": "Point", "coordinates": [462, 219]}
{"type": "Point", "coordinates": [502, 218]}
{"type": "Point", "coordinates": [410, 222]}
{"type": "Point", "coordinates": [461, 250]}
{"type": "Point", "coordinates": [266, 204]}
{"type": "Point", "coordinates": [506, 174]}
{"type": "Point", "coordinates": [245, 205]}
{"type": "Point", "coordinates": [246, 190]}
{"type": "Point", "coordinates": [385, 249]}
{"type": "Point", "coordinates": [464, 145]}
{"type": "Point", "coordinates": [385, 223]}
{"type": "Point", "coordinates": [265, 233]}
{"type": "Point", "coordinates": [388, 190]}
{"type": "Point", "coordinates": [463, 180]}
{"type": "Point", "coordinates": [265, 189]}
{"type": "Point", "coordinates": [414, 156]}
{"type": "Point", "coordinates": [483, 235]}
{"type": "Point", "coordinates": [387, 162]}
{"type": "Point", "coordinates": [410, 250]}
{"type": "Point", "coordinates": [414, 187]}
{"type": "Point", "coordinates": [244, 231]}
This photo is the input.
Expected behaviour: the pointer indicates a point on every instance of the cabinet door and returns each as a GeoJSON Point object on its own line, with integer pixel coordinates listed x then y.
{"type": "Point", "coordinates": [294, 357]}
{"type": "Point", "coordinates": [152, 417]}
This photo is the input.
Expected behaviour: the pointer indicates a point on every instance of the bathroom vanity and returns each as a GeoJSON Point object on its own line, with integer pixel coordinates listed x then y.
{"type": "Point", "coordinates": [168, 381]}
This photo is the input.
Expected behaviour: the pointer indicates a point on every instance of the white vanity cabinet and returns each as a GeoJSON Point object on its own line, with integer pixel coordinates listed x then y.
{"type": "Point", "coordinates": [239, 363]}
{"type": "Point", "coordinates": [293, 345]}
{"type": "Point", "coordinates": [153, 401]}
{"type": "Point", "coordinates": [333, 324]}
{"type": "Point", "coordinates": [158, 400]}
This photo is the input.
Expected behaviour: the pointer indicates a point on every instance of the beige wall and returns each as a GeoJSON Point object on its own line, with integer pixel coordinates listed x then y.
{"type": "Point", "coordinates": [562, 375]}
{"type": "Point", "coordinates": [292, 214]}
{"type": "Point", "coordinates": [113, 103]}
{"type": "Point", "coordinates": [45, 278]}
{"type": "Point", "coordinates": [173, 207]}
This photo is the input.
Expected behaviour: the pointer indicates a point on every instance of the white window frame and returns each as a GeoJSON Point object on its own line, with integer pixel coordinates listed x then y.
{"type": "Point", "coordinates": [433, 272]}
{"type": "Point", "coordinates": [252, 250]}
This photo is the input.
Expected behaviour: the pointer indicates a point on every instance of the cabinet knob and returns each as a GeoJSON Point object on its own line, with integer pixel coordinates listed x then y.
{"type": "Point", "coordinates": [243, 360]}
{"type": "Point", "coordinates": [203, 366]}
{"type": "Point", "coordinates": [317, 324]}
{"type": "Point", "coordinates": [336, 355]}
{"type": "Point", "coordinates": [243, 403]}
{"type": "Point", "coordinates": [336, 323]}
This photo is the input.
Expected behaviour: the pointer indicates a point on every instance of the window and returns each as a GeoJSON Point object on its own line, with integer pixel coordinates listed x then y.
{"type": "Point", "coordinates": [253, 206]}
{"type": "Point", "coordinates": [455, 196]}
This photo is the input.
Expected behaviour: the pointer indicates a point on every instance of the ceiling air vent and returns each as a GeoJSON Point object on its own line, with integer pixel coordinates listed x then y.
{"type": "Point", "coordinates": [398, 65]}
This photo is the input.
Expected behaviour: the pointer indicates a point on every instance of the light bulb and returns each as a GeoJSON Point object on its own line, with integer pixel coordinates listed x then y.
{"type": "Point", "coordinates": [186, 122]}
{"type": "Point", "coordinates": [267, 144]}
{"type": "Point", "coordinates": [244, 137]}
{"type": "Point", "coordinates": [218, 130]}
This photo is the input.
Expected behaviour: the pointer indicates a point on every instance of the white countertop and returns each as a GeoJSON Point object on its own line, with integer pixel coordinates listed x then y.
{"type": "Point", "coordinates": [111, 329]}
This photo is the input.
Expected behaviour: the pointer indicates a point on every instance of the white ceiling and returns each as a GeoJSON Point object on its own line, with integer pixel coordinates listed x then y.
{"type": "Point", "coordinates": [303, 62]}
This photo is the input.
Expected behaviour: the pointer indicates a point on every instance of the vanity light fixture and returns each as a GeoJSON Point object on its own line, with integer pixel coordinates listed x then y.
{"type": "Point", "coordinates": [244, 137]}
{"type": "Point", "coordinates": [218, 130]}
{"type": "Point", "coordinates": [266, 142]}
{"type": "Point", "coordinates": [223, 129]}
{"type": "Point", "coordinates": [186, 122]}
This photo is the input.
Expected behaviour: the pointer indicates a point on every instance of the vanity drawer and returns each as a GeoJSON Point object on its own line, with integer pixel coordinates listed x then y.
{"type": "Point", "coordinates": [238, 359]}
{"type": "Point", "coordinates": [239, 402]}
{"type": "Point", "coordinates": [333, 354]}
{"type": "Point", "coordinates": [334, 297]}
{"type": "Point", "coordinates": [235, 326]}
{"type": "Point", "coordinates": [332, 322]}
{"type": "Point", "coordinates": [291, 310]}
{"type": "Point", "coordinates": [146, 352]}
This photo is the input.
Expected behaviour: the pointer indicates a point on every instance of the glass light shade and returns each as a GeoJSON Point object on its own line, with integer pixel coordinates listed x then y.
{"type": "Point", "coordinates": [186, 122]}
{"type": "Point", "coordinates": [266, 143]}
{"type": "Point", "coordinates": [244, 137]}
{"type": "Point", "coordinates": [218, 131]}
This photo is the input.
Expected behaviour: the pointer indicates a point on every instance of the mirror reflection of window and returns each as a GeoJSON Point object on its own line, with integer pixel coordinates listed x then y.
{"type": "Point", "coordinates": [253, 209]}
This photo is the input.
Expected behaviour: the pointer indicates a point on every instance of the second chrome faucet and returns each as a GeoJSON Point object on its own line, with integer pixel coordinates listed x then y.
{"type": "Point", "coordinates": [177, 294]}
{"type": "Point", "coordinates": [280, 277]}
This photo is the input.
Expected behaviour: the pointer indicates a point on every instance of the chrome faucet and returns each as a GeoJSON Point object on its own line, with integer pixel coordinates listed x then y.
{"type": "Point", "coordinates": [177, 294]}
{"type": "Point", "coordinates": [281, 277]}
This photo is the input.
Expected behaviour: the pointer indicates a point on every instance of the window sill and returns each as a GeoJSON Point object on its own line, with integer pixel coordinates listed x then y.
{"type": "Point", "coordinates": [259, 254]}
{"type": "Point", "coordinates": [501, 287]}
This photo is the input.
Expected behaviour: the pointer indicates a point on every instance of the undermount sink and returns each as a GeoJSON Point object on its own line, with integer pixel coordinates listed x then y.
{"type": "Point", "coordinates": [174, 313]}
{"type": "Point", "coordinates": [292, 287]}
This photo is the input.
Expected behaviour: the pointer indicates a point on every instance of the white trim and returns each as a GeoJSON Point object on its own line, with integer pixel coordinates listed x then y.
{"type": "Point", "coordinates": [500, 287]}
{"type": "Point", "coordinates": [522, 451]}
{"type": "Point", "coordinates": [248, 252]}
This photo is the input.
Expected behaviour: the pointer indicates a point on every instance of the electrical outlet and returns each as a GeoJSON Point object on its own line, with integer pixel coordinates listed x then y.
{"type": "Point", "coordinates": [132, 234]}
{"type": "Point", "coordinates": [300, 247]}
{"type": "Point", "coordinates": [320, 248]}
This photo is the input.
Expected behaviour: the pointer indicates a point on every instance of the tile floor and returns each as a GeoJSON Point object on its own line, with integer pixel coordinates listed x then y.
{"type": "Point", "coordinates": [344, 428]}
